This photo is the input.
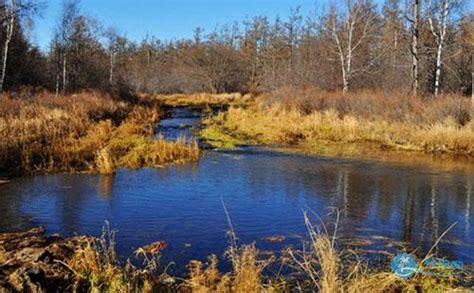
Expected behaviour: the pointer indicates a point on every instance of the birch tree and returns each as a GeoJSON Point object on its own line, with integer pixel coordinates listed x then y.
{"type": "Point", "coordinates": [113, 40]}
{"type": "Point", "coordinates": [348, 30]}
{"type": "Point", "coordinates": [10, 14]}
{"type": "Point", "coordinates": [63, 36]}
{"type": "Point", "coordinates": [14, 12]}
{"type": "Point", "coordinates": [438, 19]}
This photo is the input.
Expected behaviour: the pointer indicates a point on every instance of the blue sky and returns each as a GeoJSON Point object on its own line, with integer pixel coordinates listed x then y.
{"type": "Point", "coordinates": [165, 19]}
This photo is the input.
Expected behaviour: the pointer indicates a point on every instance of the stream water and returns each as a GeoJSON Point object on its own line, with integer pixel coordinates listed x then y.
{"type": "Point", "coordinates": [383, 206]}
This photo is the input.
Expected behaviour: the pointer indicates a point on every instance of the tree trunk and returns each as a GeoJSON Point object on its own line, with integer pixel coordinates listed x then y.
{"type": "Point", "coordinates": [8, 38]}
{"type": "Point", "coordinates": [57, 84]}
{"type": "Point", "coordinates": [111, 72]}
{"type": "Point", "coordinates": [472, 82]}
{"type": "Point", "coordinates": [438, 69]}
{"type": "Point", "coordinates": [414, 47]}
{"type": "Point", "coordinates": [64, 85]}
{"type": "Point", "coordinates": [440, 37]}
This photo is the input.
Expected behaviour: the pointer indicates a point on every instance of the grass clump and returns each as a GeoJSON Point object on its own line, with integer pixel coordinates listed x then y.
{"type": "Point", "coordinates": [96, 268]}
{"type": "Point", "coordinates": [87, 131]}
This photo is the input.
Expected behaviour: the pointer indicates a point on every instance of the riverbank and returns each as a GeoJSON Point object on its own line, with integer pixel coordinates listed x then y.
{"type": "Point", "coordinates": [32, 261]}
{"type": "Point", "coordinates": [202, 100]}
{"type": "Point", "coordinates": [359, 122]}
{"type": "Point", "coordinates": [84, 132]}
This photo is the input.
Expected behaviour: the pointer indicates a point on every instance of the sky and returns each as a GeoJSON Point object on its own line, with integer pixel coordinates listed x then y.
{"type": "Point", "coordinates": [164, 19]}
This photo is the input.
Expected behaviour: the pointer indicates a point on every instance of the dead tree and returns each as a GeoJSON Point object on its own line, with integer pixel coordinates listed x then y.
{"type": "Point", "coordinates": [348, 33]}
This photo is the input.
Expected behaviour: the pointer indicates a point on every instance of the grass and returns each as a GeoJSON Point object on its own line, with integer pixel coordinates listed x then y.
{"type": "Point", "coordinates": [87, 131]}
{"type": "Point", "coordinates": [203, 100]}
{"type": "Point", "coordinates": [321, 266]}
{"type": "Point", "coordinates": [441, 126]}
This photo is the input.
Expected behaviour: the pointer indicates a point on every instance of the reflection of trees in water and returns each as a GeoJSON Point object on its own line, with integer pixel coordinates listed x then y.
{"type": "Point", "coordinates": [434, 216]}
{"type": "Point", "coordinates": [377, 193]}
{"type": "Point", "coordinates": [71, 197]}
{"type": "Point", "coordinates": [467, 212]}
{"type": "Point", "coordinates": [342, 189]}
{"type": "Point", "coordinates": [409, 214]}
{"type": "Point", "coordinates": [11, 198]}
{"type": "Point", "coordinates": [105, 186]}
{"type": "Point", "coordinates": [187, 169]}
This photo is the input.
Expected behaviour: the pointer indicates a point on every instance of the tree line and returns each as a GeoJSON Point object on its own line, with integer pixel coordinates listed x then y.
{"type": "Point", "coordinates": [423, 47]}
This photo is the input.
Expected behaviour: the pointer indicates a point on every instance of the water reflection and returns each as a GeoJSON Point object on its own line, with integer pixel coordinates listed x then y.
{"type": "Point", "coordinates": [265, 193]}
{"type": "Point", "coordinates": [105, 186]}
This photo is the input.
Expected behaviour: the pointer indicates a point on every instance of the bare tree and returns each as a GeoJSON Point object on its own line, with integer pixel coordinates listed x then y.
{"type": "Point", "coordinates": [113, 40]}
{"type": "Point", "coordinates": [414, 46]}
{"type": "Point", "coordinates": [10, 12]}
{"type": "Point", "coordinates": [64, 34]}
{"type": "Point", "coordinates": [438, 19]}
{"type": "Point", "coordinates": [348, 31]}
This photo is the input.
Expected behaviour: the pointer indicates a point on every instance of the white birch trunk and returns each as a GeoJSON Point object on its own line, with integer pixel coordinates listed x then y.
{"type": "Point", "coordinates": [440, 36]}
{"type": "Point", "coordinates": [64, 85]}
{"type": "Point", "coordinates": [10, 25]}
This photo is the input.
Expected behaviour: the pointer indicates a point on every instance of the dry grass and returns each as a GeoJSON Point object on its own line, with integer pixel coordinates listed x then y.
{"type": "Point", "coordinates": [246, 274]}
{"type": "Point", "coordinates": [325, 268]}
{"type": "Point", "coordinates": [441, 126]}
{"type": "Point", "coordinates": [204, 100]}
{"type": "Point", "coordinates": [96, 268]}
{"type": "Point", "coordinates": [82, 132]}
{"type": "Point", "coordinates": [321, 266]}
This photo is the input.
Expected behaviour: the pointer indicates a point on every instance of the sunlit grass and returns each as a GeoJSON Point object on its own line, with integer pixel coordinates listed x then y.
{"type": "Point", "coordinates": [83, 132]}
{"type": "Point", "coordinates": [278, 124]}
{"type": "Point", "coordinates": [204, 100]}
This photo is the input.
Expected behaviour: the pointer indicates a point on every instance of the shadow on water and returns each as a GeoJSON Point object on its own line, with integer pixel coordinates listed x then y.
{"type": "Point", "coordinates": [265, 192]}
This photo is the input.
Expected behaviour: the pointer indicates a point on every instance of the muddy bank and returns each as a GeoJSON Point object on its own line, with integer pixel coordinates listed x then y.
{"type": "Point", "coordinates": [31, 260]}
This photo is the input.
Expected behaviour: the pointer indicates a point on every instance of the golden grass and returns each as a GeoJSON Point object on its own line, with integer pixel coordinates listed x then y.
{"type": "Point", "coordinates": [83, 132]}
{"type": "Point", "coordinates": [321, 266]}
{"type": "Point", "coordinates": [204, 99]}
{"type": "Point", "coordinates": [246, 274]}
{"type": "Point", "coordinates": [276, 124]}
{"type": "Point", "coordinates": [96, 268]}
{"type": "Point", "coordinates": [325, 268]}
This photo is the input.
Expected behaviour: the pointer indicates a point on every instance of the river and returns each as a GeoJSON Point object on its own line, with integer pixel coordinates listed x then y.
{"type": "Point", "coordinates": [383, 206]}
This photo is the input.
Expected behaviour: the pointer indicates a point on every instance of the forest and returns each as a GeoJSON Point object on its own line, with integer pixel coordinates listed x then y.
{"type": "Point", "coordinates": [410, 47]}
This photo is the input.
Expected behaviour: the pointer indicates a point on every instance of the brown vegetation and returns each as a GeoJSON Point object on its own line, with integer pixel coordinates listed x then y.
{"type": "Point", "coordinates": [88, 131]}
{"type": "Point", "coordinates": [370, 119]}
{"type": "Point", "coordinates": [204, 100]}
{"type": "Point", "coordinates": [33, 261]}
{"type": "Point", "coordinates": [423, 47]}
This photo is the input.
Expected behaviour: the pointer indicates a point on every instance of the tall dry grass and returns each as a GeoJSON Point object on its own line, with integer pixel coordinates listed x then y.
{"type": "Point", "coordinates": [87, 131]}
{"type": "Point", "coordinates": [204, 99]}
{"type": "Point", "coordinates": [443, 125]}
{"type": "Point", "coordinates": [320, 266]}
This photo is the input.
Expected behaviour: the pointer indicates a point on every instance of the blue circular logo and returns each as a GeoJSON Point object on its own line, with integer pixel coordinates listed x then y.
{"type": "Point", "coordinates": [404, 265]}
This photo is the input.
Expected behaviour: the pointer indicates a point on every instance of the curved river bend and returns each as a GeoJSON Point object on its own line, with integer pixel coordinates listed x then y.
{"type": "Point", "coordinates": [382, 205]}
